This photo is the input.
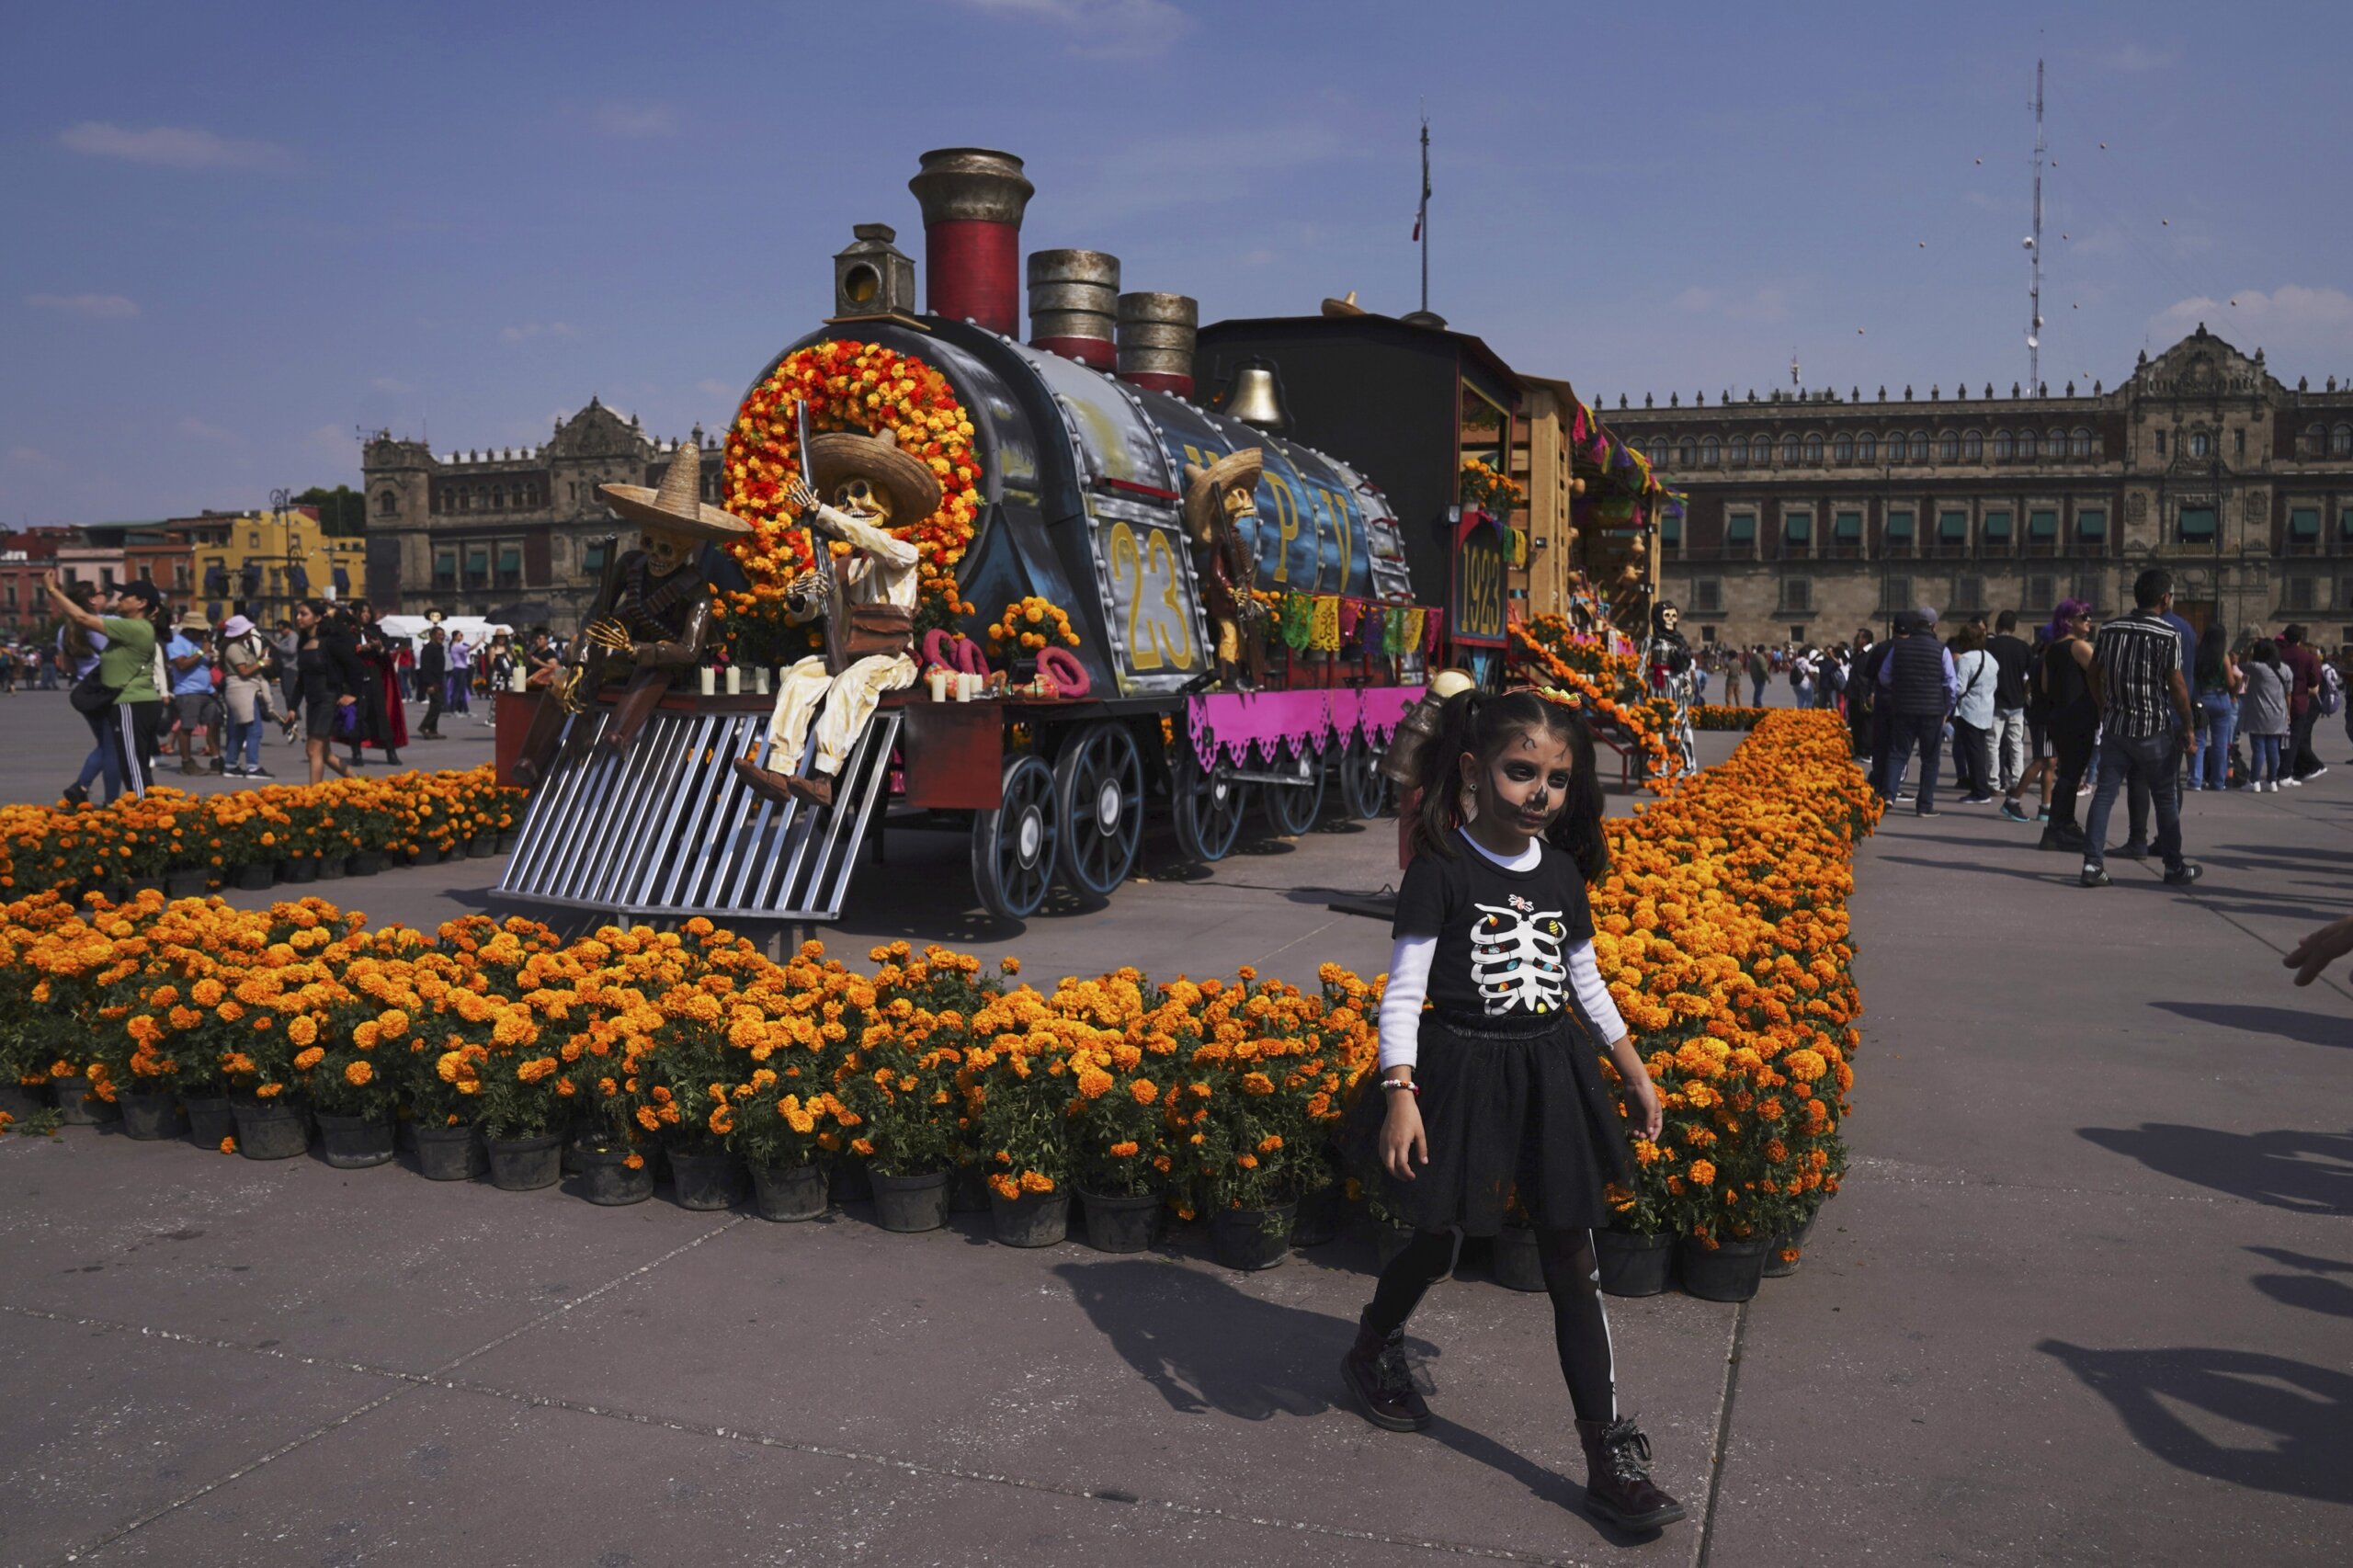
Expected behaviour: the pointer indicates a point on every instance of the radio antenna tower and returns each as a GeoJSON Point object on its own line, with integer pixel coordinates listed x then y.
{"type": "Point", "coordinates": [2034, 251]}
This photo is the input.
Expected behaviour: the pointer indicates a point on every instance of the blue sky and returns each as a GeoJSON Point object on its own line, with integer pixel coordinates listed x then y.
{"type": "Point", "coordinates": [241, 232]}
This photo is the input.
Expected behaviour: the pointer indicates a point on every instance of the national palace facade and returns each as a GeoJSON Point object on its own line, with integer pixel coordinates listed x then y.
{"type": "Point", "coordinates": [1812, 515]}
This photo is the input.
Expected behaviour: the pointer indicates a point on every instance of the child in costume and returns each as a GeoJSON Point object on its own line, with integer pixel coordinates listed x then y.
{"type": "Point", "coordinates": [1496, 1092]}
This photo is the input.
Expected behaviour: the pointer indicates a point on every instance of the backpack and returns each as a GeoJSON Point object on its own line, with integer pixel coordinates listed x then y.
{"type": "Point", "coordinates": [2329, 695]}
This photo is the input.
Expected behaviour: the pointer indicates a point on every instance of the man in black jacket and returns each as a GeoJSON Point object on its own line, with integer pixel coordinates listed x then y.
{"type": "Point", "coordinates": [2011, 659]}
{"type": "Point", "coordinates": [1918, 686]}
{"type": "Point", "coordinates": [432, 673]}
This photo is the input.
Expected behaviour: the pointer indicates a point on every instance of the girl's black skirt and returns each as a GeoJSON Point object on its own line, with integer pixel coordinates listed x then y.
{"type": "Point", "coordinates": [1515, 1104]}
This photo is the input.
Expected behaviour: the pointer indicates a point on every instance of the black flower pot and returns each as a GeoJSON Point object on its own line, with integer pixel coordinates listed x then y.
{"type": "Point", "coordinates": [21, 1101]}
{"type": "Point", "coordinates": [1776, 1266]}
{"type": "Point", "coordinates": [525, 1165]}
{"type": "Point", "coordinates": [302, 869]}
{"type": "Point", "coordinates": [332, 868]}
{"type": "Point", "coordinates": [705, 1181]}
{"type": "Point", "coordinates": [76, 1105]}
{"type": "Point", "coordinates": [969, 1191]}
{"type": "Point", "coordinates": [507, 838]}
{"type": "Point", "coordinates": [1252, 1239]}
{"type": "Point", "coordinates": [425, 855]}
{"type": "Point", "coordinates": [608, 1179]}
{"type": "Point", "coordinates": [1121, 1224]}
{"type": "Point", "coordinates": [274, 1129]}
{"type": "Point", "coordinates": [1032, 1219]}
{"type": "Point", "coordinates": [1634, 1265]}
{"type": "Point", "coordinates": [483, 845]}
{"type": "Point", "coordinates": [910, 1203]}
{"type": "Point", "coordinates": [450, 1153]}
{"type": "Point", "coordinates": [187, 882]}
{"type": "Point", "coordinates": [367, 863]}
{"type": "Point", "coordinates": [1323, 1215]}
{"type": "Point", "coordinates": [258, 877]}
{"type": "Point", "coordinates": [1516, 1264]}
{"type": "Point", "coordinates": [355, 1142]}
{"type": "Point", "coordinates": [788, 1194]}
{"type": "Point", "coordinates": [151, 1117]}
{"type": "Point", "coordinates": [1730, 1271]}
{"type": "Point", "coordinates": [847, 1180]}
{"type": "Point", "coordinates": [209, 1120]}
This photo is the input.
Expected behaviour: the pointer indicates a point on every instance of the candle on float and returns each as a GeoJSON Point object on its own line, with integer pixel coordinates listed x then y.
{"type": "Point", "coordinates": [760, 680]}
{"type": "Point", "coordinates": [939, 678]}
{"type": "Point", "coordinates": [710, 681]}
{"type": "Point", "coordinates": [734, 680]}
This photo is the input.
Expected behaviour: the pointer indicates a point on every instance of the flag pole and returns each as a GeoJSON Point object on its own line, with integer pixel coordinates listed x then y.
{"type": "Point", "coordinates": [1422, 218]}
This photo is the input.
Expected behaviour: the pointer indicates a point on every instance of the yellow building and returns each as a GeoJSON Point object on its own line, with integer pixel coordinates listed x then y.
{"type": "Point", "coordinates": [259, 563]}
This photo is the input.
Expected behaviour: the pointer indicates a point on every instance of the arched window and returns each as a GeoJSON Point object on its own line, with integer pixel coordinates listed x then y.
{"type": "Point", "coordinates": [1866, 448]}
{"type": "Point", "coordinates": [1919, 447]}
{"type": "Point", "coordinates": [1948, 446]}
{"type": "Point", "coordinates": [388, 504]}
{"type": "Point", "coordinates": [1686, 453]}
{"type": "Point", "coordinates": [2054, 445]}
{"type": "Point", "coordinates": [1740, 451]}
{"type": "Point", "coordinates": [2312, 443]}
{"type": "Point", "coordinates": [1813, 451]}
{"type": "Point", "coordinates": [1789, 450]}
{"type": "Point", "coordinates": [2340, 441]}
{"type": "Point", "coordinates": [1842, 447]}
{"type": "Point", "coordinates": [2201, 445]}
{"type": "Point", "coordinates": [2003, 448]}
{"type": "Point", "coordinates": [1709, 452]}
{"type": "Point", "coordinates": [1972, 446]}
{"type": "Point", "coordinates": [2080, 443]}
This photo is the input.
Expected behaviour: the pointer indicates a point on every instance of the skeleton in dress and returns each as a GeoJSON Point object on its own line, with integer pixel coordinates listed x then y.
{"type": "Point", "coordinates": [1516, 958]}
{"type": "Point", "coordinates": [1666, 664]}
{"type": "Point", "coordinates": [870, 620]}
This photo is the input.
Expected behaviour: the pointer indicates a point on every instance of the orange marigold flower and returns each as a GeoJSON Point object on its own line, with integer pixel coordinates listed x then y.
{"type": "Point", "coordinates": [358, 1074]}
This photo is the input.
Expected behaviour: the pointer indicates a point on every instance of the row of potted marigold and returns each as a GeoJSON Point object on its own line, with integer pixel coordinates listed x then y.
{"type": "Point", "coordinates": [183, 844]}
{"type": "Point", "coordinates": [1721, 924]}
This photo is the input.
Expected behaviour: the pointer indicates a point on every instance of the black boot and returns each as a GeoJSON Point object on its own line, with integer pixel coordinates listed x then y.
{"type": "Point", "coordinates": [1375, 1371]}
{"type": "Point", "coordinates": [2065, 836]}
{"type": "Point", "coordinates": [1618, 1485]}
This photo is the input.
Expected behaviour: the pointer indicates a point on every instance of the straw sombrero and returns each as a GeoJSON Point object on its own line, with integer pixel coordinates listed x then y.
{"type": "Point", "coordinates": [1202, 485]}
{"type": "Point", "coordinates": [677, 507]}
{"type": "Point", "coordinates": [1347, 307]}
{"type": "Point", "coordinates": [838, 455]}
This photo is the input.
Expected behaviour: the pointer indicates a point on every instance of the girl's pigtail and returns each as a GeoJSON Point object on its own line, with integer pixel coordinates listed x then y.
{"type": "Point", "coordinates": [1441, 779]}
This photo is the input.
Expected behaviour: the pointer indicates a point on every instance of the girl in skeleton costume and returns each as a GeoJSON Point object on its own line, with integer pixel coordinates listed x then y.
{"type": "Point", "coordinates": [1497, 1091]}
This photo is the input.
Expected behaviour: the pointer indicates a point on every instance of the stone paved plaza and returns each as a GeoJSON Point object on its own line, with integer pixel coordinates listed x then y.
{"type": "Point", "coordinates": [2086, 1297]}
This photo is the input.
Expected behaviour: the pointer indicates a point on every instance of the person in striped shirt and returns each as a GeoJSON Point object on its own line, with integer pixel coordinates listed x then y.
{"type": "Point", "coordinates": [2143, 695]}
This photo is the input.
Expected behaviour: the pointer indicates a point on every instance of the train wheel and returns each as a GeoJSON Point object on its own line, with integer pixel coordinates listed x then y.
{"type": "Point", "coordinates": [1364, 788]}
{"type": "Point", "coordinates": [1098, 789]}
{"type": "Point", "coordinates": [1014, 845]}
{"type": "Point", "coordinates": [1208, 804]}
{"type": "Point", "coordinates": [1292, 808]}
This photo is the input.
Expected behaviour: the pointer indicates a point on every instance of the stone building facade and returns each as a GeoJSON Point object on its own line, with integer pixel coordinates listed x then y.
{"type": "Point", "coordinates": [1812, 515]}
{"type": "Point", "coordinates": [516, 534]}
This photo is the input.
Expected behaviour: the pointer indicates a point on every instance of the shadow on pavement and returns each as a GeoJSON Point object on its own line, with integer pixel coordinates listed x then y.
{"type": "Point", "coordinates": [2311, 1173]}
{"type": "Point", "coordinates": [2301, 1413]}
{"type": "Point", "coordinates": [2308, 1289]}
{"type": "Point", "coordinates": [2312, 1029]}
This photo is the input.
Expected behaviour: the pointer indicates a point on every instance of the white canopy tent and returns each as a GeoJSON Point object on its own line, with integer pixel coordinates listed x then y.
{"type": "Point", "coordinates": [414, 627]}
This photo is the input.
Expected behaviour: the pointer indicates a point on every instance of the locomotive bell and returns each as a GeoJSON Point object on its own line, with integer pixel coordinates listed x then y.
{"type": "Point", "coordinates": [1256, 399]}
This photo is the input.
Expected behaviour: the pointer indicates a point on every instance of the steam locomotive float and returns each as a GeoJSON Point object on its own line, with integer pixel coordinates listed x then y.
{"type": "Point", "coordinates": [1081, 437]}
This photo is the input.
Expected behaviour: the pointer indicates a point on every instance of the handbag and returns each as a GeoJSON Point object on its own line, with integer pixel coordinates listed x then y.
{"type": "Point", "coordinates": [91, 696]}
{"type": "Point", "coordinates": [346, 721]}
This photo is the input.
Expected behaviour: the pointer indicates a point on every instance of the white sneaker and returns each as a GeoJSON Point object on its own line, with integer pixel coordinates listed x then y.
{"type": "Point", "coordinates": [2291, 783]}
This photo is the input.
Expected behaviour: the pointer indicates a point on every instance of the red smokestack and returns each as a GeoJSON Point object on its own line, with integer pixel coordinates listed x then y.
{"type": "Point", "coordinates": [972, 200]}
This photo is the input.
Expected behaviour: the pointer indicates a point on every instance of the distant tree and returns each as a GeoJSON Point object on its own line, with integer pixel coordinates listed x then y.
{"type": "Point", "coordinates": [343, 511]}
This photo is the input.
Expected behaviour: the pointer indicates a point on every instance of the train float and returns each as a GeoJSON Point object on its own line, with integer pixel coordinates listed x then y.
{"type": "Point", "coordinates": [1062, 531]}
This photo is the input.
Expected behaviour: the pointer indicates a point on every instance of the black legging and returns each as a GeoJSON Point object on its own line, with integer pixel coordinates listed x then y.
{"type": "Point", "coordinates": [2071, 744]}
{"type": "Point", "coordinates": [1572, 1277]}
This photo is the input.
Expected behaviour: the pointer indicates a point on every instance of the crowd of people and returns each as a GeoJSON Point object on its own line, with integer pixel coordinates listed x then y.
{"type": "Point", "coordinates": [2141, 707]}
{"type": "Point", "coordinates": [158, 688]}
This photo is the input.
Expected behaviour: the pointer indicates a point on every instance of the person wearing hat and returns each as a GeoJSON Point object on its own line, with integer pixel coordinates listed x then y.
{"type": "Point", "coordinates": [245, 687]}
{"type": "Point", "coordinates": [1216, 500]}
{"type": "Point", "coordinates": [870, 608]}
{"type": "Point", "coordinates": [190, 664]}
{"type": "Point", "coordinates": [651, 616]}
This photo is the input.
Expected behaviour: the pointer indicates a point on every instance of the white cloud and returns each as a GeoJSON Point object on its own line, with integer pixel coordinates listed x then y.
{"type": "Point", "coordinates": [536, 329]}
{"type": "Point", "coordinates": [101, 307]}
{"type": "Point", "coordinates": [2135, 58]}
{"type": "Point", "coordinates": [1756, 305]}
{"type": "Point", "coordinates": [635, 122]}
{"type": "Point", "coordinates": [199, 430]}
{"type": "Point", "coordinates": [391, 384]}
{"type": "Point", "coordinates": [171, 147]}
{"type": "Point", "coordinates": [29, 457]}
{"type": "Point", "coordinates": [1099, 30]}
{"type": "Point", "coordinates": [723, 391]}
{"type": "Point", "coordinates": [2290, 316]}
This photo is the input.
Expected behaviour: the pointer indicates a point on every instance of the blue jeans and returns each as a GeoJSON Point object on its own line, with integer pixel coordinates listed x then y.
{"type": "Point", "coordinates": [2154, 761]}
{"type": "Point", "coordinates": [1756, 691]}
{"type": "Point", "coordinates": [1904, 730]}
{"type": "Point", "coordinates": [2218, 715]}
{"type": "Point", "coordinates": [105, 758]}
{"type": "Point", "coordinates": [244, 743]}
{"type": "Point", "coordinates": [2263, 758]}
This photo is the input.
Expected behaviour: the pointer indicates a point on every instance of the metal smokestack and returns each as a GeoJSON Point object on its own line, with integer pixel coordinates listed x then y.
{"type": "Point", "coordinates": [972, 200]}
{"type": "Point", "coordinates": [1156, 338]}
{"type": "Point", "coordinates": [1074, 301]}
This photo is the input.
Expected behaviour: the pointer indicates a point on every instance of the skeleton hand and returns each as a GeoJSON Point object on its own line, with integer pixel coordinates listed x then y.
{"type": "Point", "coordinates": [609, 634]}
{"type": "Point", "coordinates": [810, 588]}
{"type": "Point", "coordinates": [804, 499]}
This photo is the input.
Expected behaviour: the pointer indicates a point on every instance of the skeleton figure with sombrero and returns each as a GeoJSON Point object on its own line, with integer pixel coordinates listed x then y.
{"type": "Point", "coordinates": [869, 607]}
{"type": "Point", "coordinates": [1216, 500]}
{"type": "Point", "coordinates": [650, 615]}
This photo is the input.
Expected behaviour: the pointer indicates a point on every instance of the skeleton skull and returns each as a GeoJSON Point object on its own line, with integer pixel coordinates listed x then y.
{"type": "Point", "coordinates": [666, 552]}
{"type": "Point", "coordinates": [865, 500]}
{"type": "Point", "coordinates": [1668, 616]}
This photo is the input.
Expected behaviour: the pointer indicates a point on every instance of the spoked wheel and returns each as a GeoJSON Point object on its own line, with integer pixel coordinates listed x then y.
{"type": "Point", "coordinates": [1208, 804]}
{"type": "Point", "coordinates": [1014, 845]}
{"type": "Point", "coordinates": [1364, 788]}
{"type": "Point", "coordinates": [1291, 808]}
{"type": "Point", "coordinates": [1099, 790]}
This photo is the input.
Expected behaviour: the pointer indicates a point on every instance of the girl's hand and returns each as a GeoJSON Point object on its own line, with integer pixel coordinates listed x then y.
{"type": "Point", "coordinates": [1403, 1146]}
{"type": "Point", "coordinates": [1648, 1113]}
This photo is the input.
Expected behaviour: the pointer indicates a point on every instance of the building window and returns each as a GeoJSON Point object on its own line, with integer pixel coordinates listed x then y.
{"type": "Point", "coordinates": [1997, 533]}
{"type": "Point", "coordinates": [2200, 444]}
{"type": "Point", "coordinates": [2042, 593]}
{"type": "Point", "coordinates": [1789, 450]}
{"type": "Point", "coordinates": [2091, 527]}
{"type": "Point", "coordinates": [1740, 534]}
{"type": "Point", "coordinates": [2196, 525]}
{"type": "Point", "coordinates": [1708, 594]}
{"type": "Point", "coordinates": [2042, 533]}
{"type": "Point", "coordinates": [2303, 530]}
{"type": "Point", "coordinates": [2300, 593]}
{"type": "Point", "coordinates": [2160, 443]}
{"type": "Point", "coordinates": [1740, 451]}
{"type": "Point", "coordinates": [2081, 442]}
{"type": "Point", "coordinates": [1813, 451]}
{"type": "Point", "coordinates": [1894, 593]}
{"type": "Point", "coordinates": [1847, 534]}
{"type": "Point", "coordinates": [2340, 441]}
{"type": "Point", "coordinates": [1797, 531]}
{"type": "Point", "coordinates": [388, 504]}
{"type": "Point", "coordinates": [445, 569]}
{"type": "Point", "coordinates": [478, 567]}
{"type": "Point", "coordinates": [1709, 452]}
{"type": "Point", "coordinates": [1969, 593]}
{"type": "Point", "coordinates": [510, 565]}
{"type": "Point", "coordinates": [1687, 452]}
{"type": "Point", "coordinates": [2311, 443]}
{"type": "Point", "coordinates": [2087, 588]}
{"type": "Point", "coordinates": [1866, 448]}
{"type": "Point", "coordinates": [1952, 533]}
{"type": "Point", "coordinates": [1899, 533]}
{"type": "Point", "coordinates": [1842, 448]}
{"type": "Point", "coordinates": [253, 539]}
{"type": "Point", "coordinates": [1919, 445]}
{"type": "Point", "coordinates": [592, 557]}
{"type": "Point", "coordinates": [2344, 527]}
{"type": "Point", "coordinates": [1972, 446]}
{"type": "Point", "coordinates": [1948, 447]}
{"type": "Point", "coordinates": [1797, 596]}
{"type": "Point", "coordinates": [1670, 534]}
{"type": "Point", "coordinates": [2054, 446]}
{"type": "Point", "coordinates": [2003, 450]}
{"type": "Point", "coordinates": [1707, 634]}
{"type": "Point", "coordinates": [2238, 443]}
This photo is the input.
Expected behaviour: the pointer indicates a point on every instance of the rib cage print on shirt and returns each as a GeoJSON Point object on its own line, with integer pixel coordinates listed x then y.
{"type": "Point", "coordinates": [1516, 957]}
